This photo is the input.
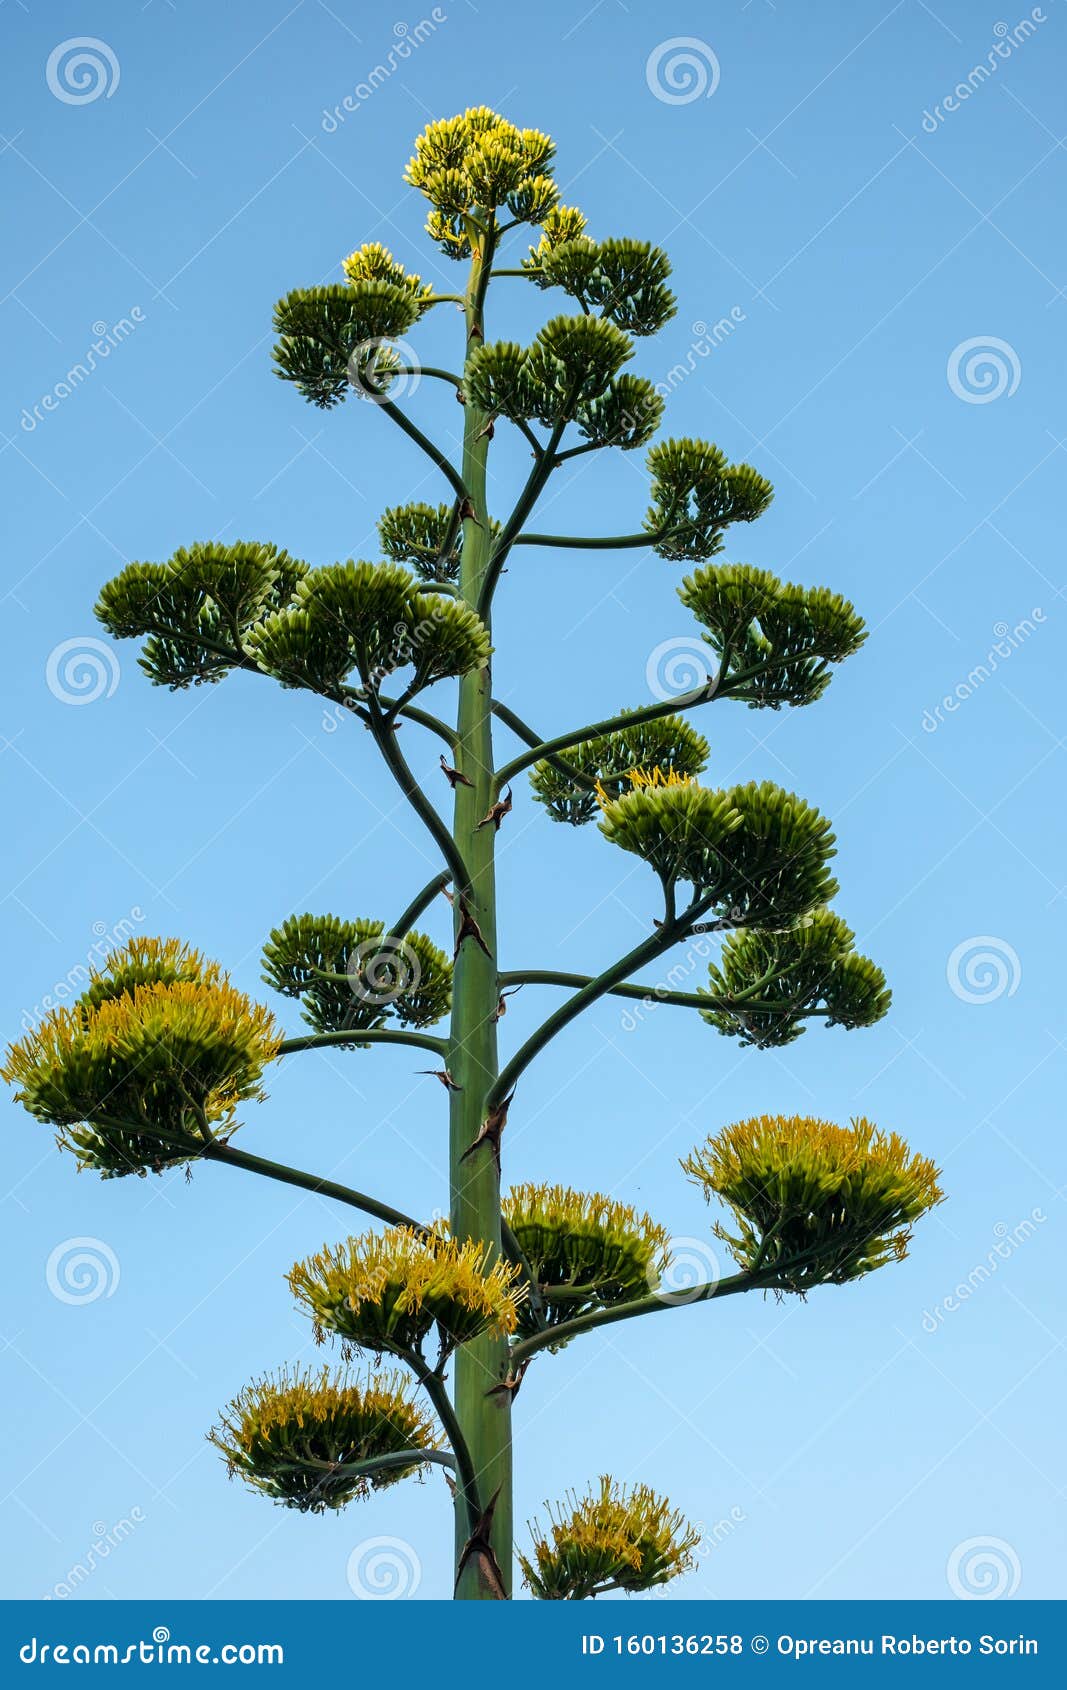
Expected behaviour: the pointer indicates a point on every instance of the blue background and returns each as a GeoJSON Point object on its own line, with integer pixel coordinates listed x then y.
{"type": "Point", "coordinates": [838, 1448]}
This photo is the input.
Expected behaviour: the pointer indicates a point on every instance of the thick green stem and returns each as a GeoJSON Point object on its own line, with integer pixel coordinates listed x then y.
{"type": "Point", "coordinates": [484, 1419]}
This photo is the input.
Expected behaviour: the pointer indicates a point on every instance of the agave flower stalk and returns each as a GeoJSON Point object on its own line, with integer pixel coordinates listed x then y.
{"type": "Point", "coordinates": [155, 1065]}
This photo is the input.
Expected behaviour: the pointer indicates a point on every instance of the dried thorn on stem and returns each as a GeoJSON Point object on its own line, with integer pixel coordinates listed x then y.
{"type": "Point", "coordinates": [479, 1550]}
{"type": "Point", "coordinates": [444, 1076]}
{"type": "Point", "coordinates": [502, 1007]}
{"type": "Point", "coordinates": [496, 812]}
{"type": "Point", "coordinates": [492, 1130]}
{"type": "Point", "coordinates": [469, 929]}
{"type": "Point", "coordinates": [510, 1385]}
{"type": "Point", "coordinates": [453, 776]}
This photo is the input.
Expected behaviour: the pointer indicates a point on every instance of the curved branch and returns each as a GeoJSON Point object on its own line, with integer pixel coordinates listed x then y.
{"type": "Point", "coordinates": [217, 1150]}
{"type": "Point", "coordinates": [434, 453]}
{"type": "Point", "coordinates": [359, 1036]}
{"type": "Point", "coordinates": [236, 1158]}
{"type": "Point", "coordinates": [588, 542]}
{"type": "Point", "coordinates": [429, 370]}
{"type": "Point", "coordinates": [373, 1464]}
{"type": "Point", "coordinates": [433, 1384]}
{"type": "Point", "coordinates": [611, 724]}
{"type": "Point", "coordinates": [656, 994]}
{"type": "Point", "coordinates": [535, 484]}
{"type": "Point", "coordinates": [532, 739]}
{"type": "Point", "coordinates": [647, 951]}
{"type": "Point", "coordinates": [404, 923]}
{"type": "Point", "coordinates": [385, 738]}
{"type": "Point", "coordinates": [528, 1347]}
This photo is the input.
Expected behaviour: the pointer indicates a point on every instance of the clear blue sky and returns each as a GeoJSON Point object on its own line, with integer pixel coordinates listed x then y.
{"type": "Point", "coordinates": [851, 1449]}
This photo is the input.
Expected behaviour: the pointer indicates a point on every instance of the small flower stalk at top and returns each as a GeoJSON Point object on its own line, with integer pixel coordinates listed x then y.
{"type": "Point", "coordinates": [388, 1291]}
{"type": "Point", "coordinates": [149, 1064]}
{"type": "Point", "coordinates": [612, 1539]}
{"type": "Point", "coordinates": [290, 1436]}
{"type": "Point", "coordinates": [813, 1203]}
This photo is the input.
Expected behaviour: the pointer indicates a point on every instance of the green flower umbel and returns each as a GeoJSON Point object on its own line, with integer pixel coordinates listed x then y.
{"type": "Point", "coordinates": [292, 1435]}
{"type": "Point", "coordinates": [814, 1203]}
{"type": "Point", "coordinates": [612, 1539]}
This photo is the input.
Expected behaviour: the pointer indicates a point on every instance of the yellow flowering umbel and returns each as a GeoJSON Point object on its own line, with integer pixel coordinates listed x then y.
{"type": "Point", "coordinates": [473, 165]}
{"type": "Point", "coordinates": [584, 1250]}
{"type": "Point", "coordinates": [814, 1203]}
{"type": "Point", "coordinates": [387, 1291]}
{"type": "Point", "coordinates": [154, 1057]}
{"type": "Point", "coordinates": [290, 1436]}
{"type": "Point", "coordinates": [373, 262]}
{"type": "Point", "coordinates": [613, 1539]}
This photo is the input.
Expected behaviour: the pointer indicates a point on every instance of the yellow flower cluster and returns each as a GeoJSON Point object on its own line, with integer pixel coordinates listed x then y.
{"type": "Point", "coordinates": [815, 1202]}
{"type": "Point", "coordinates": [644, 780]}
{"type": "Point", "coordinates": [583, 1249]}
{"type": "Point", "coordinates": [388, 1290]}
{"type": "Point", "coordinates": [613, 1539]}
{"type": "Point", "coordinates": [288, 1435]}
{"type": "Point", "coordinates": [160, 1048]}
{"type": "Point", "coordinates": [470, 165]}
